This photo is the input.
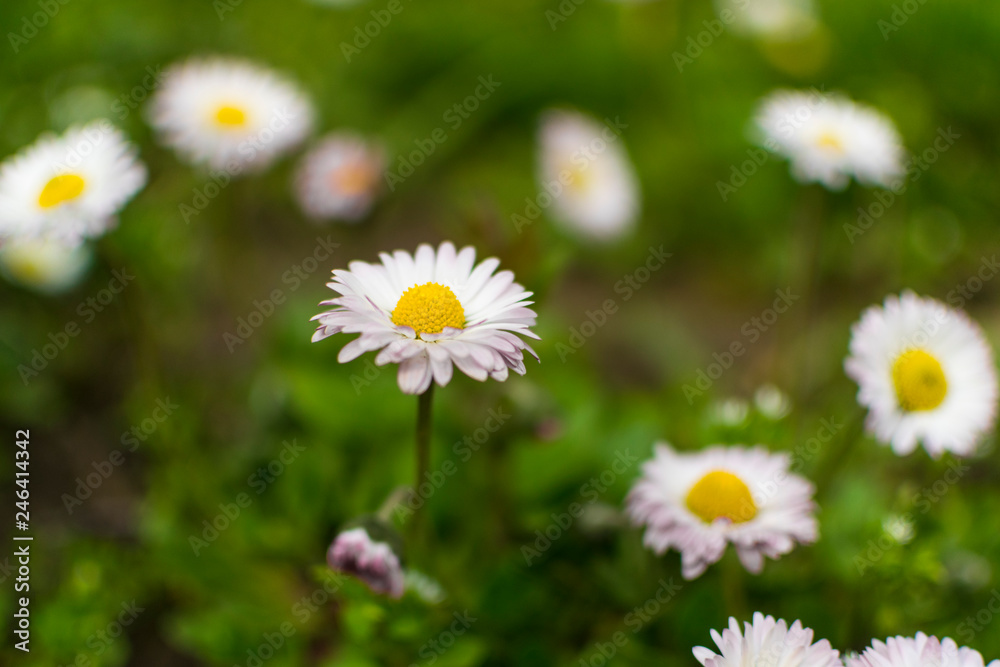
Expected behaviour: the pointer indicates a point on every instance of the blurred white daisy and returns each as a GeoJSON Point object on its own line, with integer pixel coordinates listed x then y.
{"type": "Point", "coordinates": [918, 651]}
{"type": "Point", "coordinates": [926, 374]}
{"type": "Point", "coordinates": [340, 178]}
{"type": "Point", "coordinates": [69, 187]}
{"type": "Point", "coordinates": [585, 172]}
{"type": "Point", "coordinates": [46, 265]}
{"type": "Point", "coordinates": [828, 138]}
{"type": "Point", "coordinates": [768, 643]}
{"type": "Point", "coordinates": [773, 19]}
{"type": "Point", "coordinates": [699, 502]}
{"type": "Point", "coordinates": [230, 114]}
{"type": "Point", "coordinates": [430, 311]}
{"type": "Point", "coordinates": [354, 552]}
{"type": "Point", "coordinates": [772, 402]}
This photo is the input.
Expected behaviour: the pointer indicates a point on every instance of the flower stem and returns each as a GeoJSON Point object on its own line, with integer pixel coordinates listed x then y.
{"type": "Point", "coordinates": [398, 495]}
{"type": "Point", "coordinates": [424, 406]}
{"type": "Point", "coordinates": [424, 409]}
{"type": "Point", "coordinates": [734, 587]}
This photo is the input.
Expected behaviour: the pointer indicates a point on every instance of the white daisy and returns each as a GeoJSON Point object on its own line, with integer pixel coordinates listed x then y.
{"type": "Point", "coordinates": [429, 311]}
{"type": "Point", "coordinates": [354, 552]}
{"type": "Point", "coordinates": [918, 651]}
{"type": "Point", "coordinates": [340, 178]}
{"type": "Point", "coordinates": [586, 174]}
{"type": "Point", "coordinates": [47, 265]}
{"type": "Point", "coordinates": [698, 502]}
{"type": "Point", "coordinates": [69, 187]}
{"type": "Point", "coordinates": [767, 643]}
{"type": "Point", "coordinates": [229, 113]}
{"type": "Point", "coordinates": [828, 138]}
{"type": "Point", "coordinates": [774, 19]}
{"type": "Point", "coordinates": [926, 374]}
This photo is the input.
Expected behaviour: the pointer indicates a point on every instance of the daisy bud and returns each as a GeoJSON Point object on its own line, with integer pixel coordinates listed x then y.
{"type": "Point", "coordinates": [369, 551]}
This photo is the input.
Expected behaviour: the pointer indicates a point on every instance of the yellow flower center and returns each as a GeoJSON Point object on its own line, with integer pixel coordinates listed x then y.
{"type": "Point", "coordinates": [721, 494]}
{"type": "Point", "coordinates": [919, 380]}
{"type": "Point", "coordinates": [831, 142]}
{"type": "Point", "coordinates": [60, 189]}
{"type": "Point", "coordinates": [428, 308]}
{"type": "Point", "coordinates": [354, 179]}
{"type": "Point", "coordinates": [230, 116]}
{"type": "Point", "coordinates": [578, 178]}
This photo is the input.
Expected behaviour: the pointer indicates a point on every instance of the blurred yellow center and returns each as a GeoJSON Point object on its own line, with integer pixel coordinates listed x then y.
{"type": "Point", "coordinates": [830, 141]}
{"type": "Point", "coordinates": [230, 116]}
{"type": "Point", "coordinates": [354, 179]}
{"type": "Point", "coordinates": [60, 189]}
{"type": "Point", "coordinates": [428, 308]}
{"type": "Point", "coordinates": [919, 380]}
{"type": "Point", "coordinates": [579, 179]}
{"type": "Point", "coordinates": [721, 494]}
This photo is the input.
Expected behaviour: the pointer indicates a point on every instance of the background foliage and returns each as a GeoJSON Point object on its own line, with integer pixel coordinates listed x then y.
{"type": "Point", "coordinates": [163, 338]}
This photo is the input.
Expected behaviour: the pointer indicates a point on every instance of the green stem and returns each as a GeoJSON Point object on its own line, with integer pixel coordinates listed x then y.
{"type": "Point", "coordinates": [424, 409]}
{"type": "Point", "coordinates": [734, 587]}
{"type": "Point", "coordinates": [398, 495]}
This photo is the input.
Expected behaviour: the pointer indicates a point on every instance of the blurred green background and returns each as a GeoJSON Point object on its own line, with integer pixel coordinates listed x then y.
{"type": "Point", "coordinates": [162, 339]}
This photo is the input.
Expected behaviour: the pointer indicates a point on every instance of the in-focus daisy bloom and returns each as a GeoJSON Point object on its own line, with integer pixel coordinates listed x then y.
{"type": "Point", "coordinates": [778, 20]}
{"type": "Point", "coordinates": [767, 642]}
{"type": "Point", "coordinates": [46, 265]}
{"type": "Point", "coordinates": [828, 139]}
{"type": "Point", "coordinates": [586, 174]}
{"type": "Point", "coordinates": [69, 187]}
{"type": "Point", "coordinates": [926, 374]}
{"type": "Point", "coordinates": [699, 502]}
{"type": "Point", "coordinates": [229, 114]}
{"type": "Point", "coordinates": [430, 311]}
{"type": "Point", "coordinates": [340, 178]}
{"type": "Point", "coordinates": [375, 563]}
{"type": "Point", "coordinates": [918, 651]}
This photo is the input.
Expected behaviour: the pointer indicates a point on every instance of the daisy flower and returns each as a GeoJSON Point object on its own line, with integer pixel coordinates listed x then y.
{"type": "Point", "coordinates": [773, 19]}
{"type": "Point", "coordinates": [46, 265]}
{"type": "Point", "coordinates": [699, 502]}
{"type": "Point", "coordinates": [354, 552]}
{"type": "Point", "coordinates": [767, 643]}
{"type": "Point", "coordinates": [918, 651]}
{"type": "Point", "coordinates": [229, 114]}
{"type": "Point", "coordinates": [586, 174]}
{"type": "Point", "coordinates": [926, 374]}
{"type": "Point", "coordinates": [430, 311]}
{"type": "Point", "coordinates": [340, 178]}
{"type": "Point", "coordinates": [828, 138]}
{"type": "Point", "coordinates": [69, 187]}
